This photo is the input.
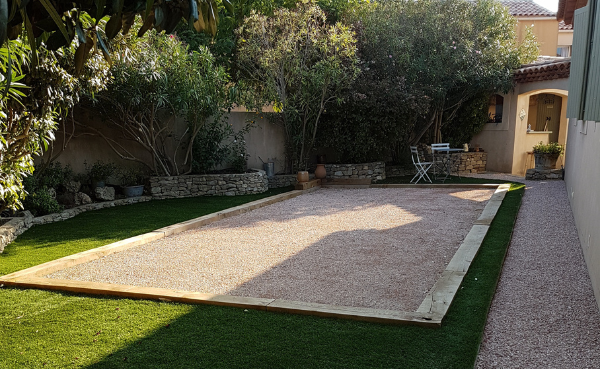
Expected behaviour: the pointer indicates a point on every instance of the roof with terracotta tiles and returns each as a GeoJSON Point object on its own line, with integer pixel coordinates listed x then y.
{"type": "Point", "coordinates": [562, 26]}
{"type": "Point", "coordinates": [527, 8]}
{"type": "Point", "coordinates": [543, 69]}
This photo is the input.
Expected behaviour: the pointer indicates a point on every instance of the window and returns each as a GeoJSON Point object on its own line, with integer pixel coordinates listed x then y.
{"type": "Point", "coordinates": [495, 109]}
{"type": "Point", "coordinates": [564, 51]}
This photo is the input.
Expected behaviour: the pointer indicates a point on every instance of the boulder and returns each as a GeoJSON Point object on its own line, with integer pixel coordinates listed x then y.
{"type": "Point", "coordinates": [83, 199]}
{"type": "Point", "coordinates": [73, 186]}
{"type": "Point", "coordinates": [105, 193]}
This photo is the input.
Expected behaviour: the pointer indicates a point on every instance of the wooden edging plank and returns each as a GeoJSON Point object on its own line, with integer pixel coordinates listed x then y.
{"type": "Point", "coordinates": [440, 297]}
{"type": "Point", "coordinates": [430, 313]}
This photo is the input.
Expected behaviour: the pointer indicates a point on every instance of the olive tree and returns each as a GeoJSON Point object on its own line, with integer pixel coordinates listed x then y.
{"type": "Point", "coordinates": [300, 64]}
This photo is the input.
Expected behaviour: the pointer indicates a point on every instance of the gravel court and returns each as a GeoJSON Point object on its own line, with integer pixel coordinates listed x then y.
{"type": "Point", "coordinates": [376, 248]}
{"type": "Point", "coordinates": [544, 314]}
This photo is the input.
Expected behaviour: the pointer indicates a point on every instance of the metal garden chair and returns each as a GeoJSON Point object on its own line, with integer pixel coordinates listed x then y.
{"type": "Point", "coordinates": [421, 166]}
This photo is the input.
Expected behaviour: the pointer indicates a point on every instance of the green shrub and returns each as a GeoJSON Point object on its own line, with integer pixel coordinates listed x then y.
{"type": "Point", "coordinates": [551, 148]}
{"type": "Point", "coordinates": [218, 143]}
{"type": "Point", "coordinates": [41, 202]}
{"type": "Point", "coordinates": [99, 171]}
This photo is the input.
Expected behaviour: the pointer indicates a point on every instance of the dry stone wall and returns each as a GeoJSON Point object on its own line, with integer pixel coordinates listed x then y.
{"type": "Point", "coordinates": [208, 185]}
{"type": "Point", "coordinates": [544, 174]}
{"type": "Point", "coordinates": [375, 171]}
{"type": "Point", "coordinates": [282, 180]}
{"type": "Point", "coordinates": [472, 162]}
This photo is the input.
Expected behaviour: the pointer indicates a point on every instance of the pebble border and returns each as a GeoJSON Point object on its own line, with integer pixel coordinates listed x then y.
{"type": "Point", "coordinates": [430, 313]}
{"type": "Point", "coordinates": [16, 226]}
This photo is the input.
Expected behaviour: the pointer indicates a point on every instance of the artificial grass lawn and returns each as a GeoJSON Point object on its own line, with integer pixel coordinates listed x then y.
{"type": "Point", "coordinates": [61, 330]}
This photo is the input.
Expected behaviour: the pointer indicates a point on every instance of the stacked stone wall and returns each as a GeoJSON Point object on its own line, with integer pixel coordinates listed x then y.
{"type": "Point", "coordinates": [282, 180]}
{"type": "Point", "coordinates": [375, 171]}
{"type": "Point", "coordinates": [399, 170]}
{"type": "Point", "coordinates": [472, 162]}
{"type": "Point", "coordinates": [544, 174]}
{"type": "Point", "coordinates": [208, 185]}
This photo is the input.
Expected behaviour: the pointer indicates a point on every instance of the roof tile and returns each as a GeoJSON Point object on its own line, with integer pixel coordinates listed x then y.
{"type": "Point", "coordinates": [526, 8]}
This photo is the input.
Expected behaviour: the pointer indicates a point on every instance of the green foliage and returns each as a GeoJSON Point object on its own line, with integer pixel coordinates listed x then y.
{"type": "Point", "coordinates": [99, 171]}
{"type": "Point", "coordinates": [156, 80]}
{"type": "Point", "coordinates": [439, 55]}
{"type": "Point", "coordinates": [552, 148]}
{"type": "Point", "coordinates": [298, 62]}
{"type": "Point", "coordinates": [469, 120]}
{"type": "Point", "coordinates": [42, 187]}
{"type": "Point", "coordinates": [41, 97]}
{"type": "Point", "coordinates": [42, 202]}
{"type": "Point", "coordinates": [218, 143]}
{"type": "Point", "coordinates": [130, 177]}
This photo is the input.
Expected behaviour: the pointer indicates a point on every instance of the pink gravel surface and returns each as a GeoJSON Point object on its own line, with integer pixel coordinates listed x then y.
{"type": "Point", "coordinates": [544, 314]}
{"type": "Point", "coordinates": [377, 248]}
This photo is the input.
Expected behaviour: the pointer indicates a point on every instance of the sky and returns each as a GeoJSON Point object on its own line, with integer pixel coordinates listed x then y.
{"type": "Point", "coordinates": [548, 4]}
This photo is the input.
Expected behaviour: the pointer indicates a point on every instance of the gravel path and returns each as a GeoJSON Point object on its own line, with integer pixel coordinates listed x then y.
{"type": "Point", "coordinates": [544, 314]}
{"type": "Point", "coordinates": [378, 248]}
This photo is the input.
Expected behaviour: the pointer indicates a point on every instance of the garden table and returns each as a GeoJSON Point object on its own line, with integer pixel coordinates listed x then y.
{"type": "Point", "coordinates": [448, 158]}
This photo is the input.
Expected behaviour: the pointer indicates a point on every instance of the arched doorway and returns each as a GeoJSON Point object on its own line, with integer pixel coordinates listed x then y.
{"type": "Point", "coordinates": [545, 114]}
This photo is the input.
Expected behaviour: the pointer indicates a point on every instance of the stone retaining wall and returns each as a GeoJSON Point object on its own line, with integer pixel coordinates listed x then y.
{"type": "Point", "coordinates": [543, 174]}
{"type": "Point", "coordinates": [18, 225]}
{"type": "Point", "coordinates": [282, 180]}
{"type": "Point", "coordinates": [375, 170]}
{"type": "Point", "coordinates": [472, 162]}
{"type": "Point", "coordinates": [208, 185]}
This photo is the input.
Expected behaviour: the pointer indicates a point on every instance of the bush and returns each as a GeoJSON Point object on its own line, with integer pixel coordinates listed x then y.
{"type": "Point", "coordinates": [42, 202]}
{"type": "Point", "coordinates": [99, 171]}
{"type": "Point", "coordinates": [218, 143]}
{"type": "Point", "coordinates": [552, 148]}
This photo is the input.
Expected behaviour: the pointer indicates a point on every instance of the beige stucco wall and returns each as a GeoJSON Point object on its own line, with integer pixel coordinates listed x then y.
{"type": "Point", "coordinates": [497, 139]}
{"type": "Point", "coordinates": [507, 143]}
{"type": "Point", "coordinates": [582, 177]}
{"type": "Point", "coordinates": [565, 38]}
{"type": "Point", "coordinates": [265, 140]}
{"type": "Point", "coordinates": [545, 30]}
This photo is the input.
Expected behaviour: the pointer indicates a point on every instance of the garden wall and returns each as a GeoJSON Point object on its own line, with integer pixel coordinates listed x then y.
{"type": "Point", "coordinates": [472, 162]}
{"type": "Point", "coordinates": [208, 185]}
{"type": "Point", "coordinates": [375, 171]}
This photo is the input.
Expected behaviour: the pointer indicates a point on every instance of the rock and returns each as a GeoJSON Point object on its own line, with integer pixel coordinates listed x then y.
{"type": "Point", "coordinates": [83, 199]}
{"type": "Point", "coordinates": [105, 193]}
{"type": "Point", "coordinates": [67, 199]}
{"type": "Point", "coordinates": [73, 187]}
{"type": "Point", "coordinates": [52, 192]}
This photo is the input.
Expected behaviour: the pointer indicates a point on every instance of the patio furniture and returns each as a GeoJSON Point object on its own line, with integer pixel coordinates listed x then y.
{"type": "Point", "coordinates": [448, 159]}
{"type": "Point", "coordinates": [438, 165]}
{"type": "Point", "coordinates": [421, 166]}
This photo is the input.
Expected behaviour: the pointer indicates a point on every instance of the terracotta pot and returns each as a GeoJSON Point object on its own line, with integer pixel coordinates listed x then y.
{"type": "Point", "coordinates": [302, 176]}
{"type": "Point", "coordinates": [320, 172]}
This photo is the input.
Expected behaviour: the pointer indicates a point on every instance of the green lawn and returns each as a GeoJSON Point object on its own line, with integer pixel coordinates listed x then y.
{"type": "Point", "coordinates": [61, 330]}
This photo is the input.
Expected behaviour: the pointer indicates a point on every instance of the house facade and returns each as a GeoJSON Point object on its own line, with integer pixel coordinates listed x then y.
{"type": "Point", "coordinates": [582, 167]}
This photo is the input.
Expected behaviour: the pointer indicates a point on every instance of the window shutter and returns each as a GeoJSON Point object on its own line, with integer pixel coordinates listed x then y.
{"type": "Point", "coordinates": [581, 23]}
{"type": "Point", "coordinates": [591, 108]}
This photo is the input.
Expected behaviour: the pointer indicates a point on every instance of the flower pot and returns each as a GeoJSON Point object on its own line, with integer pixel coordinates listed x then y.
{"type": "Point", "coordinates": [98, 183]}
{"type": "Point", "coordinates": [320, 172]}
{"type": "Point", "coordinates": [302, 176]}
{"type": "Point", "coordinates": [545, 161]}
{"type": "Point", "coordinates": [133, 191]}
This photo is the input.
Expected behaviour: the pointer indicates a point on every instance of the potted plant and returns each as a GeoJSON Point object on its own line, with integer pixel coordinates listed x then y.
{"type": "Point", "coordinates": [131, 182]}
{"type": "Point", "coordinates": [99, 172]}
{"type": "Point", "coordinates": [546, 155]}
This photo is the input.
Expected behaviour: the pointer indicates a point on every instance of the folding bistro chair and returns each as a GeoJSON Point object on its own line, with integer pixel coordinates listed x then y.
{"type": "Point", "coordinates": [438, 160]}
{"type": "Point", "coordinates": [421, 166]}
